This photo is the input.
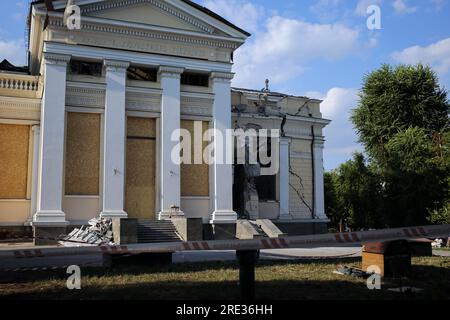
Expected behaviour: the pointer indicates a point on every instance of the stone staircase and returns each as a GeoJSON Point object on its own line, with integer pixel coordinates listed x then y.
{"type": "Point", "coordinates": [153, 231]}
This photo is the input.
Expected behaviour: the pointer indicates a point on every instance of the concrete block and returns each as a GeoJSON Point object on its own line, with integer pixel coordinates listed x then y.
{"type": "Point", "coordinates": [245, 230]}
{"type": "Point", "coordinates": [190, 229]}
{"type": "Point", "coordinates": [47, 236]}
{"type": "Point", "coordinates": [125, 231]}
{"type": "Point", "coordinates": [225, 231]}
{"type": "Point", "coordinates": [270, 229]}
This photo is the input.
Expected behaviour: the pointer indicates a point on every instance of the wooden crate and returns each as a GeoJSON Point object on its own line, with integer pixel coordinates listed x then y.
{"type": "Point", "coordinates": [392, 258]}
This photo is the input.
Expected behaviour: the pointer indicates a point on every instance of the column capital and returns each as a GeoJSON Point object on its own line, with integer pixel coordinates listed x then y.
{"type": "Point", "coordinates": [116, 65]}
{"type": "Point", "coordinates": [222, 76]}
{"type": "Point", "coordinates": [170, 72]}
{"type": "Point", "coordinates": [36, 128]}
{"type": "Point", "coordinates": [56, 59]}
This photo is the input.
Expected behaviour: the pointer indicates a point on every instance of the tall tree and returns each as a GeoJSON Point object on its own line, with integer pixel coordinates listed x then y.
{"type": "Point", "coordinates": [352, 195]}
{"type": "Point", "coordinates": [402, 120]}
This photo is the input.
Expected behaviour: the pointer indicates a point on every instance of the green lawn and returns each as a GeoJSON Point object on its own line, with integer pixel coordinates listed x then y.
{"type": "Point", "coordinates": [275, 280]}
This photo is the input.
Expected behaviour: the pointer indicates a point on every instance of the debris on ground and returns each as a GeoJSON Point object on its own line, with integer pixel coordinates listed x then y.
{"type": "Point", "coordinates": [437, 243]}
{"type": "Point", "coordinates": [353, 272]}
{"type": "Point", "coordinates": [98, 233]}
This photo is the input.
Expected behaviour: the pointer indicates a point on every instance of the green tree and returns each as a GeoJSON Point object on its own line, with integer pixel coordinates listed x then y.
{"type": "Point", "coordinates": [403, 120]}
{"type": "Point", "coordinates": [352, 195]}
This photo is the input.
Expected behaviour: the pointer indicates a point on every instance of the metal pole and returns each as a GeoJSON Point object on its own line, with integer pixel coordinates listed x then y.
{"type": "Point", "coordinates": [247, 261]}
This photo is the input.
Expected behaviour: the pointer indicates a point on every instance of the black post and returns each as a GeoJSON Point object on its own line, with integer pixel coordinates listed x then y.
{"type": "Point", "coordinates": [247, 261]}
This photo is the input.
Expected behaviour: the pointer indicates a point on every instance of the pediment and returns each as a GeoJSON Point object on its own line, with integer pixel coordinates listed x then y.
{"type": "Point", "coordinates": [159, 13]}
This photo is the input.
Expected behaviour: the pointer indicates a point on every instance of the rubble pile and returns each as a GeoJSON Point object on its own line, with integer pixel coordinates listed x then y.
{"type": "Point", "coordinates": [98, 233]}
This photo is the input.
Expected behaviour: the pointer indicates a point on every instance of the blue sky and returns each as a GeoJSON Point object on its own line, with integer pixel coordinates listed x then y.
{"type": "Point", "coordinates": [319, 48]}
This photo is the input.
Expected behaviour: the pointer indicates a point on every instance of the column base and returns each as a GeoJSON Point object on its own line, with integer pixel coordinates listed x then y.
{"type": "Point", "coordinates": [167, 215]}
{"type": "Point", "coordinates": [223, 217]}
{"type": "Point", "coordinates": [114, 214]}
{"type": "Point", "coordinates": [50, 219]}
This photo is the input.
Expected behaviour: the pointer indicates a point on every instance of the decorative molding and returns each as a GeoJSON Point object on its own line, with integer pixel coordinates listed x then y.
{"type": "Point", "coordinates": [56, 59]}
{"type": "Point", "coordinates": [20, 108]}
{"type": "Point", "coordinates": [147, 34]}
{"type": "Point", "coordinates": [199, 104]}
{"type": "Point", "coordinates": [138, 58]}
{"type": "Point", "coordinates": [163, 6]}
{"type": "Point", "coordinates": [143, 99]}
{"type": "Point", "coordinates": [82, 96]}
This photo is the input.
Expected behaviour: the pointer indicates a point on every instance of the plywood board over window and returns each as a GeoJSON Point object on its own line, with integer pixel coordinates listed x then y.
{"type": "Point", "coordinates": [194, 177]}
{"type": "Point", "coordinates": [14, 148]}
{"type": "Point", "coordinates": [82, 154]}
{"type": "Point", "coordinates": [141, 168]}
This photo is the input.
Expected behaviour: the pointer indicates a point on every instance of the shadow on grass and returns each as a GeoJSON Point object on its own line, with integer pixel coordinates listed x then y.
{"type": "Point", "coordinates": [142, 283]}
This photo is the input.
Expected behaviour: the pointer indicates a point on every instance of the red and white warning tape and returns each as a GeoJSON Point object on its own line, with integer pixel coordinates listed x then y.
{"type": "Point", "coordinates": [340, 239]}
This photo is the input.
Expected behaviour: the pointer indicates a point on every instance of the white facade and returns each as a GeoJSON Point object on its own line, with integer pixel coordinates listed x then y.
{"type": "Point", "coordinates": [119, 35]}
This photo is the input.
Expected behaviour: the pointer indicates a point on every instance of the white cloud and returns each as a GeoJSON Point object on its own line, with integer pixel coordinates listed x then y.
{"type": "Point", "coordinates": [326, 9]}
{"type": "Point", "coordinates": [338, 101]}
{"type": "Point", "coordinates": [13, 51]}
{"type": "Point", "coordinates": [401, 7]}
{"type": "Point", "coordinates": [243, 13]}
{"type": "Point", "coordinates": [362, 5]}
{"type": "Point", "coordinates": [341, 139]}
{"type": "Point", "coordinates": [437, 55]}
{"type": "Point", "coordinates": [280, 52]}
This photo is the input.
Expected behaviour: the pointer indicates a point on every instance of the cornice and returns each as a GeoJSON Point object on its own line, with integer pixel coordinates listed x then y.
{"type": "Point", "coordinates": [149, 32]}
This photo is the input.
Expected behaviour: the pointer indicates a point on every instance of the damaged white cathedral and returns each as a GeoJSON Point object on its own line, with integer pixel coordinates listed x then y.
{"type": "Point", "coordinates": [86, 126]}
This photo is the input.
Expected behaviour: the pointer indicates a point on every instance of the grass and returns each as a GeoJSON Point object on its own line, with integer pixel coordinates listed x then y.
{"type": "Point", "coordinates": [275, 280]}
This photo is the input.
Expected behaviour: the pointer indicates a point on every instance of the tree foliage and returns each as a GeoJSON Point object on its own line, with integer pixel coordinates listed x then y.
{"type": "Point", "coordinates": [402, 120]}
{"type": "Point", "coordinates": [352, 194]}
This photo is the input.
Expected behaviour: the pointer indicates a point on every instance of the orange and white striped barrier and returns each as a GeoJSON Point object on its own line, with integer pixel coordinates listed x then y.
{"type": "Point", "coordinates": [310, 241]}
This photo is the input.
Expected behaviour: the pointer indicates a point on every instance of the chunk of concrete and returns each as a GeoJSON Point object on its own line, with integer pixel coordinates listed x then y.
{"type": "Point", "coordinates": [246, 231]}
{"type": "Point", "coordinates": [270, 229]}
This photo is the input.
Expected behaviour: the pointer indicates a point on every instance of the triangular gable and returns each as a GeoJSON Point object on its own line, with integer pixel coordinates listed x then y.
{"type": "Point", "coordinates": [149, 12]}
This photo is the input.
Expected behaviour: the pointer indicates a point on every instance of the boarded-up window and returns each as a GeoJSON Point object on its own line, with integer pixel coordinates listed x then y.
{"type": "Point", "coordinates": [82, 154]}
{"type": "Point", "coordinates": [141, 168]}
{"type": "Point", "coordinates": [14, 144]}
{"type": "Point", "coordinates": [194, 177]}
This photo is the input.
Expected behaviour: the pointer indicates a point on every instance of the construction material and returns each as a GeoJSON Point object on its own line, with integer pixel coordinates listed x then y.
{"type": "Point", "coordinates": [353, 272]}
{"type": "Point", "coordinates": [393, 258]}
{"type": "Point", "coordinates": [99, 233]}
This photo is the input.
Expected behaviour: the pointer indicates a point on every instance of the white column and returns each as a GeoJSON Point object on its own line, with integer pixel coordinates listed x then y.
{"type": "Point", "coordinates": [35, 171]}
{"type": "Point", "coordinates": [114, 140]}
{"type": "Point", "coordinates": [223, 168]}
{"type": "Point", "coordinates": [284, 178]}
{"type": "Point", "coordinates": [319, 193]}
{"type": "Point", "coordinates": [51, 159]}
{"type": "Point", "coordinates": [170, 175]}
